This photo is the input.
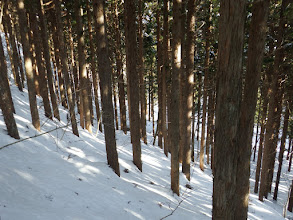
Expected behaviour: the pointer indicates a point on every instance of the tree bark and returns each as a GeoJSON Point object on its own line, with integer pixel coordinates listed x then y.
{"type": "Point", "coordinates": [272, 127]}
{"type": "Point", "coordinates": [165, 72]}
{"type": "Point", "coordinates": [133, 79]}
{"type": "Point", "coordinates": [7, 23]}
{"type": "Point", "coordinates": [5, 97]}
{"type": "Point", "coordinates": [231, 34]}
{"type": "Point", "coordinates": [188, 88]}
{"type": "Point", "coordinates": [174, 110]}
{"type": "Point", "coordinates": [84, 98]}
{"type": "Point", "coordinates": [46, 51]}
{"type": "Point", "coordinates": [262, 131]}
{"type": "Point", "coordinates": [282, 149]}
{"type": "Point", "coordinates": [64, 66]}
{"type": "Point", "coordinates": [105, 74]}
{"type": "Point", "coordinates": [256, 47]}
{"type": "Point", "coordinates": [39, 60]}
{"type": "Point", "coordinates": [28, 64]}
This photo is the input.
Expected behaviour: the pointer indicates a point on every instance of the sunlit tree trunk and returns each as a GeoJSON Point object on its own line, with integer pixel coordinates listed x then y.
{"type": "Point", "coordinates": [28, 64]}
{"type": "Point", "coordinates": [105, 74]}
{"type": "Point", "coordinates": [174, 110]}
{"type": "Point", "coordinates": [46, 51]}
{"type": "Point", "coordinates": [188, 88]}
{"type": "Point", "coordinates": [39, 60]}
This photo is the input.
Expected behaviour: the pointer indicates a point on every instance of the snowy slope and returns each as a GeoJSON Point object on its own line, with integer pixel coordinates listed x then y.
{"type": "Point", "coordinates": [60, 176]}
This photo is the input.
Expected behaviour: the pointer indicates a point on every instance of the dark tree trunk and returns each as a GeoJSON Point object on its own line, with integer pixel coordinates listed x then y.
{"type": "Point", "coordinates": [282, 149]}
{"type": "Point", "coordinates": [256, 46]}
{"type": "Point", "coordinates": [64, 66]}
{"type": "Point", "coordinates": [6, 103]}
{"type": "Point", "coordinates": [15, 64]}
{"type": "Point", "coordinates": [141, 75]}
{"type": "Point", "coordinates": [290, 205]}
{"type": "Point", "coordinates": [159, 76]}
{"type": "Point", "coordinates": [28, 64]}
{"type": "Point", "coordinates": [133, 80]}
{"type": "Point", "coordinates": [165, 71]}
{"type": "Point", "coordinates": [93, 67]}
{"type": "Point", "coordinates": [105, 74]}
{"type": "Point", "coordinates": [84, 98]}
{"type": "Point", "coordinates": [39, 60]}
{"type": "Point", "coordinates": [289, 148]}
{"type": "Point", "coordinates": [262, 132]}
{"type": "Point", "coordinates": [272, 127]}
{"type": "Point", "coordinates": [232, 18]}
{"type": "Point", "coordinates": [57, 56]}
{"type": "Point", "coordinates": [46, 51]}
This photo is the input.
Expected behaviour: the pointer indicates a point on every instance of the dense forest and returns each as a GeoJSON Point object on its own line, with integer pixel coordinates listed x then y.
{"type": "Point", "coordinates": [218, 74]}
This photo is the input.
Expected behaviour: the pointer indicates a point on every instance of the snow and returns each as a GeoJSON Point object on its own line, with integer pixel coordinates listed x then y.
{"type": "Point", "coordinates": [60, 176]}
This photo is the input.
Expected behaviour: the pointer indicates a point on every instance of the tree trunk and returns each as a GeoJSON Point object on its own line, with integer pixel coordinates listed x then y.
{"type": "Point", "coordinates": [209, 81]}
{"type": "Point", "coordinates": [141, 74]}
{"type": "Point", "coordinates": [188, 88]}
{"type": "Point", "coordinates": [290, 205]}
{"type": "Point", "coordinates": [256, 47]}
{"type": "Point", "coordinates": [64, 65]}
{"type": "Point", "coordinates": [289, 148]}
{"type": "Point", "coordinates": [165, 72]}
{"type": "Point", "coordinates": [133, 80]}
{"type": "Point", "coordinates": [84, 98]}
{"type": "Point", "coordinates": [282, 149]}
{"type": "Point", "coordinates": [105, 73]}
{"type": "Point", "coordinates": [120, 78]}
{"type": "Point", "coordinates": [159, 76]}
{"type": "Point", "coordinates": [58, 59]}
{"type": "Point", "coordinates": [6, 103]}
{"type": "Point", "coordinates": [46, 51]}
{"type": "Point", "coordinates": [232, 17]}
{"type": "Point", "coordinates": [199, 92]}
{"type": "Point", "coordinates": [262, 130]}
{"type": "Point", "coordinates": [174, 110]}
{"type": "Point", "coordinates": [40, 64]}
{"type": "Point", "coordinates": [272, 127]}
{"type": "Point", "coordinates": [93, 67]}
{"type": "Point", "coordinates": [257, 129]}
{"type": "Point", "coordinates": [28, 64]}
{"type": "Point", "coordinates": [7, 23]}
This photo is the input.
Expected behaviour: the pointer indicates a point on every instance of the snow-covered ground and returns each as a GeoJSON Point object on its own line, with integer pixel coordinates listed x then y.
{"type": "Point", "coordinates": [60, 176]}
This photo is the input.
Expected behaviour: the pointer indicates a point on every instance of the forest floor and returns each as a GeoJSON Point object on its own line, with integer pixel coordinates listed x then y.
{"type": "Point", "coordinates": [60, 176]}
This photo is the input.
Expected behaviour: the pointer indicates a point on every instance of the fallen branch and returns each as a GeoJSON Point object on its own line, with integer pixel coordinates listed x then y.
{"type": "Point", "coordinates": [37, 135]}
{"type": "Point", "coordinates": [173, 210]}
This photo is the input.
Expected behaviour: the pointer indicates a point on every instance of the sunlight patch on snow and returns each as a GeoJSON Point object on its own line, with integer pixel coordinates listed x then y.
{"type": "Point", "coordinates": [134, 213]}
{"type": "Point", "coordinates": [25, 175]}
